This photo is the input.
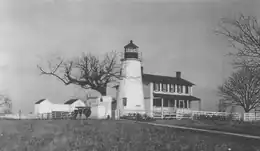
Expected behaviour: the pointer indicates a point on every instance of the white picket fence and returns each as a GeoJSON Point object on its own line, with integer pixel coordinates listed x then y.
{"type": "Point", "coordinates": [251, 116]}
{"type": "Point", "coordinates": [186, 113]}
{"type": "Point", "coordinates": [179, 114]}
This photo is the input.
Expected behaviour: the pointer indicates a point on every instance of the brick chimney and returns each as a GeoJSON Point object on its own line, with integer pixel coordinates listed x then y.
{"type": "Point", "coordinates": [178, 74]}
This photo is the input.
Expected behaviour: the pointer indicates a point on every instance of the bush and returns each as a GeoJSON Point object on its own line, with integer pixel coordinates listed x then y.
{"type": "Point", "coordinates": [86, 111]}
{"type": "Point", "coordinates": [138, 117]}
{"type": "Point", "coordinates": [229, 117]}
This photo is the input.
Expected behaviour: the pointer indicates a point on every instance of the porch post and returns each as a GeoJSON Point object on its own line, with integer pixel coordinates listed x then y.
{"type": "Point", "coordinates": [162, 108]}
{"type": "Point", "coordinates": [151, 99]}
{"type": "Point", "coordinates": [175, 103]}
{"type": "Point", "coordinates": [188, 105]}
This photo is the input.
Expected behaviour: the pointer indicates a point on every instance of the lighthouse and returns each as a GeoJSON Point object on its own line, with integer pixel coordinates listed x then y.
{"type": "Point", "coordinates": [130, 93]}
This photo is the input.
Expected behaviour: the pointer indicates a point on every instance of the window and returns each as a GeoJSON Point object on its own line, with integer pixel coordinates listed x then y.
{"type": "Point", "coordinates": [165, 102]}
{"type": "Point", "coordinates": [164, 87]}
{"type": "Point", "coordinates": [124, 101]}
{"type": "Point", "coordinates": [178, 103]}
{"type": "Point", "coordinates": [171, 103]}
{"type": "Point", "coordinates": [157, 102]}
{"type": "Point", "coordinates": [181, 104]}
{"type": "Point", "coordinates": [172, 88]}
{"type": "Point", "coordinates": [179, 87]}
{"type": "Point", "coordinates": [156, 87]}
{"type": "Point", "coordinates": [185, 104]}
{"type": "Point", "coordinates": [187, 89]}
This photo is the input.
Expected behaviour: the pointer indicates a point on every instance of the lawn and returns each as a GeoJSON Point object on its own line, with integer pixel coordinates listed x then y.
{"type": "Point", "coordinates": [109, 135]}
{"type": "Point", "coordinates": [226, 126]}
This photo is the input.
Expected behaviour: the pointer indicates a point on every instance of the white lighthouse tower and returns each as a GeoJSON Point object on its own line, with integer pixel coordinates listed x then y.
{"type": "Point", "coordinates": [130, 95]}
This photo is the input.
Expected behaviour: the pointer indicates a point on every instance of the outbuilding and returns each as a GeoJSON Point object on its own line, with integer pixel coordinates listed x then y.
{"type": "Point", "coordinates": [43, 106]}
{"type": "Point", "coordinates": [73, 103]}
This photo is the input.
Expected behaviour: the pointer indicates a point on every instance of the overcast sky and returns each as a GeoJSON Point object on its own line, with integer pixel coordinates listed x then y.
{"type": "Point", "coordinates": [173, 36]}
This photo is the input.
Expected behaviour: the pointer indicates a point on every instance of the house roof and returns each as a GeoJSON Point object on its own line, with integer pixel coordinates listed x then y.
{"type": "Point", "coordinates": [166, 79]}
{"type": "Point", "coordinates": [131, 45]}
{"type": "Point", "coordinates": [71, 101]}
{"type": "Point", "coordinates": [40, 101]}
{"type": "Point", "coordinates": [178, 97]}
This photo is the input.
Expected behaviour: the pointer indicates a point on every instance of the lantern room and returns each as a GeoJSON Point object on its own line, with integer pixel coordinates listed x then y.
{"type": "Point", "coordinates": [131, 51]}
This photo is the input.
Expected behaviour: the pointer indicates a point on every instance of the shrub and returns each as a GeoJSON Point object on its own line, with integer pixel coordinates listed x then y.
{"type": "Point", "coordinates": [86, 111]}
{"type": "Point", "coordinates": [229, 117]}
{"type": "Point", "coordinates": [138, 117]}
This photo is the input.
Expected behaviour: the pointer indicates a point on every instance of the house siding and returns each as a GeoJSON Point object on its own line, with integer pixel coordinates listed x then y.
{"type": "Point", "coordinates": [43, 107]}
{"type": "Point", "coordinates": [148, 97]}
{"type": "Point", "coordinates": [146, 89]}
{"type": "Point", "coordinates": [78, 103]}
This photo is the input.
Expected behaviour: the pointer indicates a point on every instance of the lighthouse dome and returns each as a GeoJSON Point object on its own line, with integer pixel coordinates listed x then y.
{"type": "Point", "coordinates": [131, 45]}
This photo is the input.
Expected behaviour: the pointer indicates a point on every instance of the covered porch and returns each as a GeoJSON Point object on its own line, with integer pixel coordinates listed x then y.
{"type": "Point", "coordinates": [164, 104]}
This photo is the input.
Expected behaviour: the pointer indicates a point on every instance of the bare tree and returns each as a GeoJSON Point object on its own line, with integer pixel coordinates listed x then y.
{"type": "Point", "coordinates": [242, 88]}
{"type": "Point", "coordinates": [6, 103]}
{"type": "Point", "coordinates": [244, 35]}
{"type": "Point", "coordinates": [87, 71]}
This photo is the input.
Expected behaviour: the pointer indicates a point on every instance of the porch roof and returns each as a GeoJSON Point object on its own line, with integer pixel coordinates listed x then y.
{"type": "Point", "coordinates": [177, 97]}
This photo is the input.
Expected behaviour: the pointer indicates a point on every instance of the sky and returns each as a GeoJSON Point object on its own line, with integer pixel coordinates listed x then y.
{"type": "Point", "coordinates": [175, 35]}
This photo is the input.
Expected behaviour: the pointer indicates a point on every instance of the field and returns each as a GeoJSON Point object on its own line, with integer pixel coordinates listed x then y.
{"type": "Point", "coordinates": [109, 135]}
{"type": "Point", "coordinates": [226, 126]}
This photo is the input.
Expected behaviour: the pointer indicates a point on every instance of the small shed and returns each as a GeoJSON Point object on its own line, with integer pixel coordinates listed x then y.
{"type": "Point", "coordinates": [73, 103]}
{"type": "Point", "coordinates": [43, 106]}
{"type": "Point", "coordinates": [101, 107]}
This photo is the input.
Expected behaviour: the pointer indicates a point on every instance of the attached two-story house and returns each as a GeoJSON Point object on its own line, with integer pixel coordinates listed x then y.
{"type": "Point", "coordinates": [167, 94]}
{"type": "Point", "coordinates": [164, 93]}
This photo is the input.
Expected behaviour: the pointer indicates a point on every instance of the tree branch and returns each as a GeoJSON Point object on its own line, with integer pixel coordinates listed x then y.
{"type": "Point", "coordinates": [92, 72]}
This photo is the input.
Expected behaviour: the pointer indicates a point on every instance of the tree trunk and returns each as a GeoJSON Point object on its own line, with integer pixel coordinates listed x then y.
{"type": "Point", "coordinates": [102, 91]}
{"type": "Point", "coordinates": [246, 110]}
